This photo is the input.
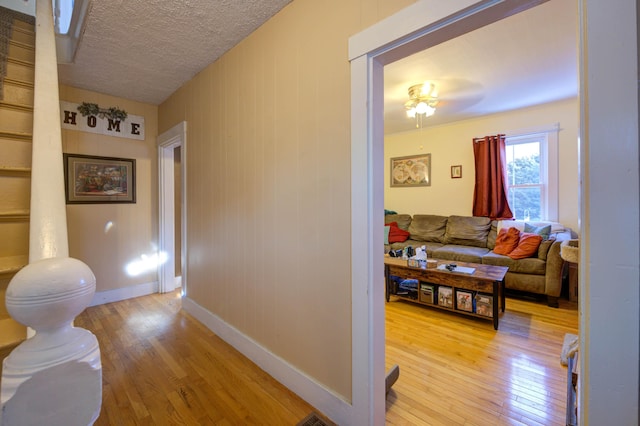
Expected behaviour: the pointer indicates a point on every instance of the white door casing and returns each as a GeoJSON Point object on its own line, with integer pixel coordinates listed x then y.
{"type": "Point", "coordinates": [413, 29]}
{"type": "Point", "coordinates": [167, 142]}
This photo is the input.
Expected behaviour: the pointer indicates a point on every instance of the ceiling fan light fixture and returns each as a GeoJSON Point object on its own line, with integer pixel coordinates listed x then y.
{"type": "Point", "coordinates": [422, 103]}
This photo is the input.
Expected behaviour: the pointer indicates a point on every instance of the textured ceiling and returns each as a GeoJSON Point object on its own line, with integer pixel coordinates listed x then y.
{"type": "Point", "coordinates": [145, 50]}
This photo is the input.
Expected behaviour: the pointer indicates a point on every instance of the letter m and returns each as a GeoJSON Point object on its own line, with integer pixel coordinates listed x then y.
{"type": "Point", "coordinates": [114, 125]}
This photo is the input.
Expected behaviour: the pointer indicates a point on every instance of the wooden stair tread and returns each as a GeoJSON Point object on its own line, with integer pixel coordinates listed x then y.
{"type": "Point", "coordinates": [19, 67]}
{"type": "Point", "coordinates": [21, 62]}
{"type": "Point", "coordinates": [16, 135]}
{"type": "Point", "coordinates": [12, 216]}
{"type": "Point", "coordinates": [17, 82]}
{"type": "Point", "coordinates": [22, 44]}
{"type": "Point", "coordinates": [6, 170]}
{"type": "Point", "coordinates": [23, 27]}
{"type": "Point", "coordinates": [11, 334]}
{"type": "Point", "coordinates": [23, 22]}
{"type": "Point", "coordinates": [16, 106]}
{"type": "Point", "coordinates": [12, 264]}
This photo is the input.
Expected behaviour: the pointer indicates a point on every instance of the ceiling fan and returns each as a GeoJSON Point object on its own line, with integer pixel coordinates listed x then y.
{"type": "Point", "coordinates": [424, 98]}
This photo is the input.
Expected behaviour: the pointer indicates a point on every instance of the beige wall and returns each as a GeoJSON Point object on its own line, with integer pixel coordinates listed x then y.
{"type": "Point", "coordinates": [108, 250]}
{"type": "Point", "coordinates": [451, 145]}
{"type": "Point", "coordinates": [268, 172]}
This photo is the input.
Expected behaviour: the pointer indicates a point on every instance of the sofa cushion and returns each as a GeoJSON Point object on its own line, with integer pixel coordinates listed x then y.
{"type": "Point", "coordinates": [493, 234]}
{"type": "Point", "coordinates": [403, 220]}
{"type": "Point", "coordinates": [508, 223]}
{"type": "Point", "coordinates": [543, 250]}
{"type": "Point", "coordinates": [467, 230]}
{"type": "Point", "coordinates": [531, 283]}
{"type": "Point", "coordinates": [527, 247]}
{"type": "Point", "coordinates": [543, 231]}
{"type": "Point", "coordinates": [460, 253]}
{"type": "Point", "coordinates": [426, 227]}
{"type": "Point", "coordinates": [397, 235]}
{"type": "Point", "coordinates": [507, 240]}
{"type": "Point", "coordinates": [530, 265]}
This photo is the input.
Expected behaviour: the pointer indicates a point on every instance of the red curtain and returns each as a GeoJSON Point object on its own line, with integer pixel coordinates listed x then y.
{"type": "Point", "coordinates": [490, 194]}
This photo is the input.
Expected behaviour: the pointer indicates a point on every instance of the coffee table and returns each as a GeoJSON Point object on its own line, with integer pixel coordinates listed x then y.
{"type": "Point", "coordinates": [485, 279]}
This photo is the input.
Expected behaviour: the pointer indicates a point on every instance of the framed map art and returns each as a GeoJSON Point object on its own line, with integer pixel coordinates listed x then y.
{"type": "Point", "coordinates": [413, 170]}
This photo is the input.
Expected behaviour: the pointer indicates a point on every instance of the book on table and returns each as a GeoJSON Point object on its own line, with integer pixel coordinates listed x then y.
{"type": "Point", "coordinates": [445, 296]}
{"type": "Point", "coordinates": [465, 301]}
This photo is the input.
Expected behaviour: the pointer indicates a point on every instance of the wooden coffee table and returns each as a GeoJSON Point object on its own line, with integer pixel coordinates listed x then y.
{"type": "Point", "coordinates": [485, 279]}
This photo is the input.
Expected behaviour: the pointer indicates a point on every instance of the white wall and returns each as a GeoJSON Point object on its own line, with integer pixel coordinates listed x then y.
{"type": "Point", "coordinates": [24, 6]}
{"type": "Point", "coordinates": [610, 252]}
{"type": "Point", "coordinates": [452, 145]}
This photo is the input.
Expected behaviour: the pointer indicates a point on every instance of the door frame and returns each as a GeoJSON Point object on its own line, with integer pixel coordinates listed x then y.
{"type": "Point", "coordinates": [422, 25]}
{"type": "Point", "coordinates": [167, 142]}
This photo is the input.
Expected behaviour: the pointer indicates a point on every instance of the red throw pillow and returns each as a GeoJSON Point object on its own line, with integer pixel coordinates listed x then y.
{"type": "Point", "coordinates": [397, 235]}
{"type": "Point", "coordinates": [507, 240]}
{"type": "Point", "coordinates": [527, 247]}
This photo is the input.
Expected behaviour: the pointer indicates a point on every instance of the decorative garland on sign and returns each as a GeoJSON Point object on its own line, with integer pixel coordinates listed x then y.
{"type": "Point", "coordinates": [86, 108]}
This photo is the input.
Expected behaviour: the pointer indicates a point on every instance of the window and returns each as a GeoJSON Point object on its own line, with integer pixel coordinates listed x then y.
{"type": "Point", "coordinates": [532, 176]}
{"type": "Point", "coordinates": [62, 11]}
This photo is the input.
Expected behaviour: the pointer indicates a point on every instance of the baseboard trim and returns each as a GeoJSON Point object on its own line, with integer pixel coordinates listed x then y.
{"type": "Point", "coordinates": [118, 294]}
{"type": "Point", "coordinates": [323, 399]}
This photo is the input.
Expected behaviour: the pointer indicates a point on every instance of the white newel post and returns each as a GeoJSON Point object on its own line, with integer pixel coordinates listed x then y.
{"type": "Point", "coordinates": [55, 376]}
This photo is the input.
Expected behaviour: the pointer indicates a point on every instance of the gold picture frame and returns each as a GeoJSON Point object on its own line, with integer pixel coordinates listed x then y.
{"type": "Point", "coordinates": [456, 172]}
{"type": "Point", "coordinates": [412, 170]}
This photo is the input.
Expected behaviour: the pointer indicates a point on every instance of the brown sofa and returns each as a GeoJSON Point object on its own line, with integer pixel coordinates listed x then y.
{"type": "Point", "coordinates": [472, 239]}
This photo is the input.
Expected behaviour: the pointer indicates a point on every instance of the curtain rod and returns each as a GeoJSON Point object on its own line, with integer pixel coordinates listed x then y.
{"type": "Point", "coordinates": [475, 140]}
{"type": "Point", "coordinates": [553, 127]}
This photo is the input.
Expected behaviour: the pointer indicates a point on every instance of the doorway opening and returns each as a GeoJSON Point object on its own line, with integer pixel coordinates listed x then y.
{"type": "Point", "coordinates": [172, 209]}
{"type": "Point", "coordinates": [416, 28]}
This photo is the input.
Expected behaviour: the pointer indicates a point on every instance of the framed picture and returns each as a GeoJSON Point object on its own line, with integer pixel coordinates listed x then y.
{"type": "Point", "coordinates": [464, 300]}
{"type": "Point", "coordinates": [456, 172]}
{"type": "Point", "coordinates": [413, 170]}
{"type": "Point", "coordinates": [89, 179]}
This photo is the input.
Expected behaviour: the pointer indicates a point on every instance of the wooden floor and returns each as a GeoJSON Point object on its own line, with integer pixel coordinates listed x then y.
{"type": "Point", "coordinates": [457, 370]}
{"type": "Point", "coordinates": [160, 366]}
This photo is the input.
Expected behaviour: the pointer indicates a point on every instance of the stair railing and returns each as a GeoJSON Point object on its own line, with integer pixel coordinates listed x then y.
{"type": "Point", "coordinates": [55, 376]}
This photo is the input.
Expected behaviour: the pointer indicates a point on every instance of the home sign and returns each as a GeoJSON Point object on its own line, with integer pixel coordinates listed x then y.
{"type": "Point", "coordinates": [131, 128]}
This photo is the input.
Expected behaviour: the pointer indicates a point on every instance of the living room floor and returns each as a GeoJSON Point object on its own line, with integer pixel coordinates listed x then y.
{"type": "Point", "coordinates": [458, 370]}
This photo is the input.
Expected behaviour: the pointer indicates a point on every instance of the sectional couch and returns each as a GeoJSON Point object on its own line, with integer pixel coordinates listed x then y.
{"type": "Point", "coordinates": [472, 239]}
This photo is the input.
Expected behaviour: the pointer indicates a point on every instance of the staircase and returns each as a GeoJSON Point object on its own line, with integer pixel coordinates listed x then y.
{"type": "Point", "coordinates": [16, 124]}
{"type": "Point", "coordinates": [46, 288]}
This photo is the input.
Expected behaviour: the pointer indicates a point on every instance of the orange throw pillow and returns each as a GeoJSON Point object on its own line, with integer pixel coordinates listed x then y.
{"type": "Point", "coordinates": [527, 247]}
{"type": "Point", "coordinates": [507, 240]}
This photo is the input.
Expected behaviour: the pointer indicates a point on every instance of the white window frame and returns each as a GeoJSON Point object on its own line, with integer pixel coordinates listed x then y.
{"type": "Point", "coordinates": [548, 139]}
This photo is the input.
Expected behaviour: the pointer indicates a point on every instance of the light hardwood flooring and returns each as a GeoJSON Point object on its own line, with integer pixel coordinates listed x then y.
{"type": "Point", "coordinates": [160, 366]}
{"type": "Point", "coordinates": [457, 370]}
